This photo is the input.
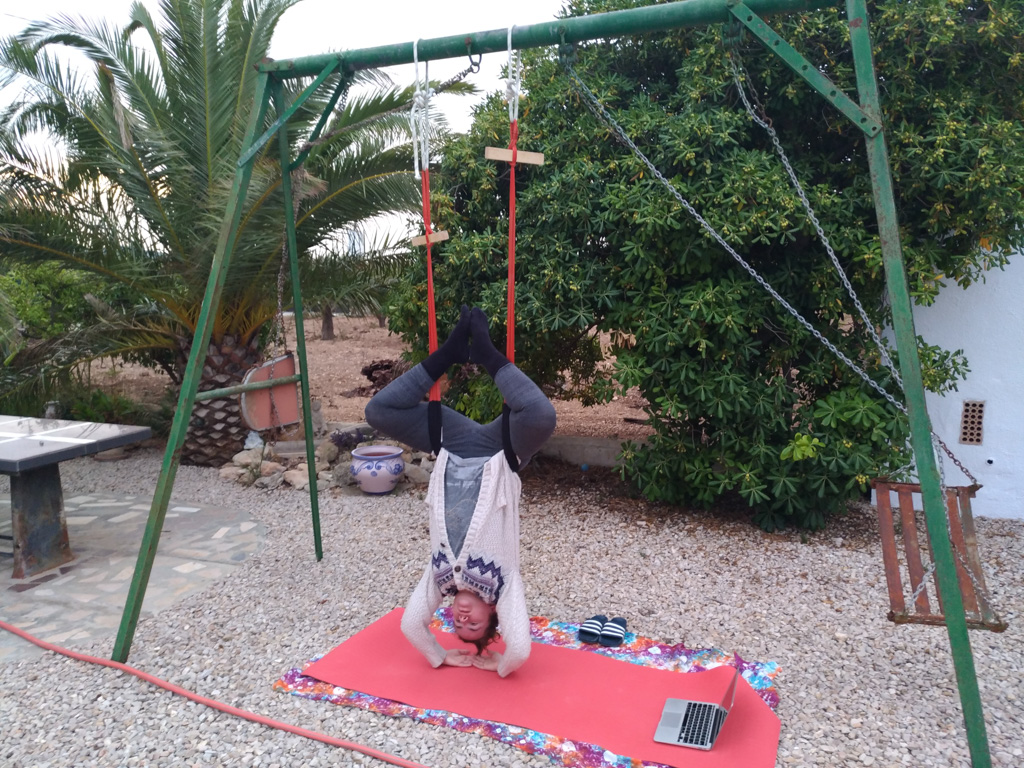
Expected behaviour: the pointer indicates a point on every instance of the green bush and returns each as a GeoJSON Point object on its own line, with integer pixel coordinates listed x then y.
{"type": "Point", "coordinates": [103, 407]}
{"type": "Point", "coordinates": [744, 402]}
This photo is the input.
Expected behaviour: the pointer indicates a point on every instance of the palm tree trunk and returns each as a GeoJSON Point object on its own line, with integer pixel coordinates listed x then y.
{"type": "Point", "coordinates": [327, 322]}
{"type": "Point", "coordinates": [216, 430]}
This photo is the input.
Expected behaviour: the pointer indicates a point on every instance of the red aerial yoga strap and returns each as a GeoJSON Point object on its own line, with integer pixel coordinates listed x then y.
{"type": "Point", "coordinates": [435, 389]}
{"type": "Point", "coordinates": [510, 336]}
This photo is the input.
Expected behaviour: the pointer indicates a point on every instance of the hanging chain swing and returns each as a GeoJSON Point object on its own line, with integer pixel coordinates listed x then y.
{"type": "Point", "coordinates": [278, 406]}
{"type": "Point", "coordinates": [959, 518]}
{"type": "Point", "coordinates": [960, 524]}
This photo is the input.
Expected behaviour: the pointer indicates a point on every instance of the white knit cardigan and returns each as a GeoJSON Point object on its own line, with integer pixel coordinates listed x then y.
{"type": "Point", "coordinates": [488, 564]}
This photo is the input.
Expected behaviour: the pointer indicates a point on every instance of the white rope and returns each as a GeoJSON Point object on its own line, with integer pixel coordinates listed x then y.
{"type": "Point", "coordinates": [514, 80]}
{"type": "Point", "coordinates": [419, 115]}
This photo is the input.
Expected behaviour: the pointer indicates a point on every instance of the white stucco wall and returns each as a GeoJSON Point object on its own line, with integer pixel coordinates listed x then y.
{"type": "Point", "coordinates": [986, 321]}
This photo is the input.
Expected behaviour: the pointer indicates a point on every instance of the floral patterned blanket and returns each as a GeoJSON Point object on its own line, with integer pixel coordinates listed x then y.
{"type": "Point", "coordinates": [634, 650]}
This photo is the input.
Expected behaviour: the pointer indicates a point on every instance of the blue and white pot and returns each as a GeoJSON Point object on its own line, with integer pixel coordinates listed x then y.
{"type": "Point", "coordinates": [377, 468]}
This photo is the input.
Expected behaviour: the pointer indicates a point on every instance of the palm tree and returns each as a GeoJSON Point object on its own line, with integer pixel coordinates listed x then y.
{"type": "Point", "coordinates": [137, 191]}
{"type": "Point", "coordinates": [353, 277]}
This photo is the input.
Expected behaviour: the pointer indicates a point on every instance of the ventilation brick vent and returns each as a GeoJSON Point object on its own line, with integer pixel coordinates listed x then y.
{"type": "Point", "coordinates": [970, 422]}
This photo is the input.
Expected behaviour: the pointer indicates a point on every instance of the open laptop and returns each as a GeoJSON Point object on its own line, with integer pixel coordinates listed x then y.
{"type": "Point", "coordinates": [696, 723]}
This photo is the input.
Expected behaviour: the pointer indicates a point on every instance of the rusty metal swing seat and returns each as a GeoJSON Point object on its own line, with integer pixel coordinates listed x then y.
{"type": "Point", "coordinates": [276, 406]}
{"type": "Point", "coordinates": [978, 609]}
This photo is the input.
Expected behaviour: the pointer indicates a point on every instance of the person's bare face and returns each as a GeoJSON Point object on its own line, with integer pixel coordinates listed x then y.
{"type": "Point", "coordinates": [471, 616]}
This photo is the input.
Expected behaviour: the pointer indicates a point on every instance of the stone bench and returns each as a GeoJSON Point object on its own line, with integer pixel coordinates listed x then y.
{"type": "Point", "coordinates": [30, 453]}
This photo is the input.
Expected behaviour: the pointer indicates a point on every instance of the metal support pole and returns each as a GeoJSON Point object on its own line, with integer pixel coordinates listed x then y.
{"type": "Point", "coordinates": [795, 61]}
{"type": "Point", "coordinates": [300, 334]}
{"type": "Point", "coordinates": [190, 383]}
{"type": "Point", "coordinates": [634, 21]}
{"type": "Point", "coordinates": [910, 369]}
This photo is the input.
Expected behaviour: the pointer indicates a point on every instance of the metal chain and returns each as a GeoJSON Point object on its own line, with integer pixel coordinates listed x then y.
{"type": "Point", "coordinates": [419, 114]}
{"type": "Point", "coordinates": [979, 591]}
{"type": "Point", "coordinates": [763, 121]}
{"type": "Point", "coordinates": [955, 460]}
{"type": "Point", "coordinates": [602, 114]}
{"type": "Point", "coordinates": [473, 67]}
{"type": "Point", "coordinates": [761, 118]}
{"type": "Point", "coordinates": [599, 111]}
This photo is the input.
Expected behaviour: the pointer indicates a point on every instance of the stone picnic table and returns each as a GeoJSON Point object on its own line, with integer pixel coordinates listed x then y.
{"type": "Point", "coordinates": [30, 452]}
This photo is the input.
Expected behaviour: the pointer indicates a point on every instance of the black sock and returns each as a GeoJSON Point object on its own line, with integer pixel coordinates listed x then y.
{"type": "Point", "coordinates": [483, 351]}
{"type": "Point", "coordinates": [454, 350]}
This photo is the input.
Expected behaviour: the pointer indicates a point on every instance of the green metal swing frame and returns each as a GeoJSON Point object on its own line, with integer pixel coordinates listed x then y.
{"type": "Point", "coordinates": [865, 114]}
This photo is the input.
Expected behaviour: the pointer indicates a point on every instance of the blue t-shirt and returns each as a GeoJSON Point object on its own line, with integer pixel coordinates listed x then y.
{"type": "Point", "coordinates": [462, 480]}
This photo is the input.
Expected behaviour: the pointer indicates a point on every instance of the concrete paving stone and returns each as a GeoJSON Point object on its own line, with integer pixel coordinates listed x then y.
{"type": "Point", "coordinates": [84, 600]}
{"type": "Point", "coordinates": [43, 611]}
{"type": "Point", "coordinates": [190, 553]}
{"type": "Point", "coordinates": [81, 597]}
{"type": "Point", "coordinates": [125, 516]}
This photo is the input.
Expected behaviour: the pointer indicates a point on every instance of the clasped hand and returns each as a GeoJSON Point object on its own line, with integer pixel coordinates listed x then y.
{"type": "Point", "coordinates": [457, 657]}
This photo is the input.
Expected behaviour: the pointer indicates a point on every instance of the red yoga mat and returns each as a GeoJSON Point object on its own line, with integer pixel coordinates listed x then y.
{"type": "Point", "coordinates": [566, 692]}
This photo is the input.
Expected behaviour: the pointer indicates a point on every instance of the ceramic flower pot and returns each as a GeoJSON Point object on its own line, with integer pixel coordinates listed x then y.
{"type": "Point", "coordinates": [377, 468]}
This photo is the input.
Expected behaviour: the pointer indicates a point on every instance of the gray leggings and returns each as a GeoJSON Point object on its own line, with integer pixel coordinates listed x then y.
{"type": "Point", "coordinates": [400, 412]}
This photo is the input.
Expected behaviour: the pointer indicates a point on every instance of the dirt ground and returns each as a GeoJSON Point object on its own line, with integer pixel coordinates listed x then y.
{"type": "Point", "coordinates": [335, 375]}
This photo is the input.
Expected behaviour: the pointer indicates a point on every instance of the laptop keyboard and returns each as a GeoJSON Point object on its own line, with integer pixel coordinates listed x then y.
{"type": "Point", "coordinates": [701, 724]}
{"type": "Point", "coordinates": [697, 723]}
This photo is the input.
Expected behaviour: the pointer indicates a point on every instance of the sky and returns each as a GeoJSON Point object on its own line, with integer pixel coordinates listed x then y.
{"type": "Point", "coordinates": [319, 26]}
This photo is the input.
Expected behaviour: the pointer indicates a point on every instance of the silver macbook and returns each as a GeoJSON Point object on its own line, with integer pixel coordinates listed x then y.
{"type": "Point", "coordinates": [696, 723]}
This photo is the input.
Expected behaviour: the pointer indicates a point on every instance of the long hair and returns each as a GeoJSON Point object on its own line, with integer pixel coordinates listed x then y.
{"type": "Point", "coordinates": [489, 636]}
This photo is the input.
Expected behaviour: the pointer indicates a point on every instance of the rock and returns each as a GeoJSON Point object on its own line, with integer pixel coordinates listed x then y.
{"type": "Point", "coordinates": [231, 473]}
{"type": "Point", "coordinates": [327, 451]}
{"type": "Point", "coordinates": [114, 454]}
{"type": "Point", "coordinates": [249, 458]}
{"type": "Point", "coordinates": [298, 479]}
{"type": "Point", "coordinates": [268, 468]}
{"type": "Point", "coordinates": [342, 473]}
{"type": "Point", "coordinates": [317, 417]}
{"type": "Point", "coordinates": [416, 475]}
{"type": "Point", "coordinates": [270, 482]}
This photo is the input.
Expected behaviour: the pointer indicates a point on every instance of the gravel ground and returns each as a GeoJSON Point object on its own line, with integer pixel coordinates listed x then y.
{"type": "Point", "coordinates": [855, 689]}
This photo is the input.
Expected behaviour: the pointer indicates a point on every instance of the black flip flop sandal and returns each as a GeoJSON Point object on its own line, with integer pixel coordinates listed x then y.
{"type": "Point", "coordinates": [590, 630]}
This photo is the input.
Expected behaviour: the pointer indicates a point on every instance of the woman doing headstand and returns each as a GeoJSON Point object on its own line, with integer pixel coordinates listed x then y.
{"type": "Point", "coordinates": [473, 500]}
